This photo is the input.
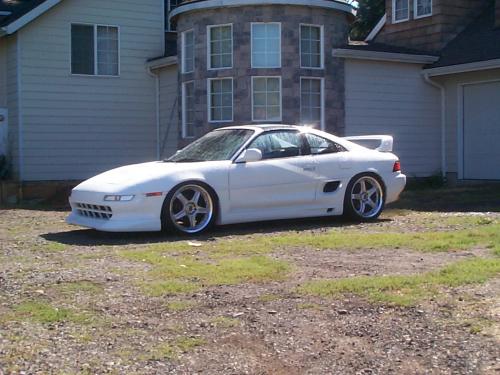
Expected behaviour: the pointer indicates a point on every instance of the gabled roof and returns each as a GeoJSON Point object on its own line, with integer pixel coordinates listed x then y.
{"type": "Point", "coordinates": [14, 14]}
{"type": "Point", "coordinates": [480, 41]}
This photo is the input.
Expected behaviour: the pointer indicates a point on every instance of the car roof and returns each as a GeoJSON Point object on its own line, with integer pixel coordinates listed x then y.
{"type": "Point", "coordinates": [263, 127]}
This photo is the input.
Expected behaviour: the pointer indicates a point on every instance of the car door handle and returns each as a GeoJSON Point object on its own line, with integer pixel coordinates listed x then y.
{"type": "Point", "coordinates": [309, 169]}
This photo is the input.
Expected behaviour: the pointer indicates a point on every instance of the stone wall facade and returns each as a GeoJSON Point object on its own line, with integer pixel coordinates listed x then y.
{"type": "Point", "coordinates": [336, 28]}
{"type": "Point", "coordinates": [432, 33]}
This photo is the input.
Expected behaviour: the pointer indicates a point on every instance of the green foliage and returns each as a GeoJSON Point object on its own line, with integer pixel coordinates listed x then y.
{"type": "Point", "coordinates": [42, 312]}
{"type": "Point", "coordinates": [369, 13]}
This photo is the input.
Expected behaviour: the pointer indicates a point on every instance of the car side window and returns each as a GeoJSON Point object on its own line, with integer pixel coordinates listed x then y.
{"type": "Point", "coordinates": [321, 146]}
{"type": "Point", "coordinates": [278, 144]}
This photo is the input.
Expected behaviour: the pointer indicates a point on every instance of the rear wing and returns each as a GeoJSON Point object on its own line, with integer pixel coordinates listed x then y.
{"type": "Point", "coordinates": [384, 142]}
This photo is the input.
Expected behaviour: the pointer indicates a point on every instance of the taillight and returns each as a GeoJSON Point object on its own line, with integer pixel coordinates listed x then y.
{"type": "Point", "coordinates": [397, 167]}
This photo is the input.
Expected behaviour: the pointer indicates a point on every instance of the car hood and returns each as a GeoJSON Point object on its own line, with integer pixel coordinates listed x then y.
{"type": "Point", "coordinates": [130, 177]}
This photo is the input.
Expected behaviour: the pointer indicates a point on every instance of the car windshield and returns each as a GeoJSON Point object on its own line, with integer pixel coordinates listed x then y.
{"type": "Point", "coordinates": [214, 146]}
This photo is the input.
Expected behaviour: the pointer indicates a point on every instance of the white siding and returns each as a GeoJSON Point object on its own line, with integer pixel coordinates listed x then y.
{"type": "Point", "coordinates": [393, 99]}
{"type": "Point", "coordinates": [169, 127]}
{"type": "Point", "coordinates": [77, 126]}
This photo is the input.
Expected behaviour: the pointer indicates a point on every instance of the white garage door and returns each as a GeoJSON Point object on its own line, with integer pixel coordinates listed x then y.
{"type": "Point", "coordinates": [481, 133]}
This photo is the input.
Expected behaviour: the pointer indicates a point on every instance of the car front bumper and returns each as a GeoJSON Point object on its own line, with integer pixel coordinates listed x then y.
{"type": "Point", "coordinates": [88, 209]}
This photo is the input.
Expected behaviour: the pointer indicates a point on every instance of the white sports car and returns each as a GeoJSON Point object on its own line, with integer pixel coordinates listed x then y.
{"type": "Point", "coordinates": [244, 174]}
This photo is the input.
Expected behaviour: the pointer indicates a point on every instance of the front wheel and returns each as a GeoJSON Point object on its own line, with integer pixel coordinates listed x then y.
{"type": "Point", "coordinates": [189, 209]}
{"type": "Point", "coordinates": [364, 198]}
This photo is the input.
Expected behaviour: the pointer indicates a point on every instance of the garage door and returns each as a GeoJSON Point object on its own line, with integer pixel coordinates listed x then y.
{"type": "Point", "coordinates": [481, 133]}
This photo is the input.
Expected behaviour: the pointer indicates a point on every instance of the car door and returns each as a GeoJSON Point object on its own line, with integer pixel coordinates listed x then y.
{"type": "Point", "coordinates": [332, 166]}
{"type": "Point", "coordinates": [283, 179]}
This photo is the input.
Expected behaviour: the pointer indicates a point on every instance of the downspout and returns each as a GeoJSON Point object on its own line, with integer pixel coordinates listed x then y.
{"type": "Point", "coordinates": [443, 122]}
{"type": "Point", "coordinates": [157, 103]}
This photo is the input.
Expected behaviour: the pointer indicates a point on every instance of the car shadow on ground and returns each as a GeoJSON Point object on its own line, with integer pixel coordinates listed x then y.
{"type": "Point", "coordinates": [89, 237]}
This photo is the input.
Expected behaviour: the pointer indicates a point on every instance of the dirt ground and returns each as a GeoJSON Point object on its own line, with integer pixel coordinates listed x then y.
{"type": "Point", "coordinates": [70, 303]}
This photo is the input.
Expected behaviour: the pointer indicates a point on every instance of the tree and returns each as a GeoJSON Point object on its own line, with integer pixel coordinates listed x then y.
{"type": "Point", "coordinates": [369, 13]}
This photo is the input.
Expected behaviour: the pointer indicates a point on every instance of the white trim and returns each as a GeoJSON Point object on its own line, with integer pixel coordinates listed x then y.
{"type": "Point", "coordinates": [183, 51]}
{"type": "Point", "coordinates": [183, 109]}
{"type": "Point", "coordinates": [384, 56]}
{"type": "Point", "coordinates": [209, 100]}
{"type": "Point", "coordinates": [162, 62]}
{"type": "Point", "coordinates": [96, 74]}
{"type": "Point", "coordinates": [464, 68]}
{"type": "Point", "coordinates": [209, 49]}
{"type": "Point", "coordinates": [31, 15]}
{"type": "Point", "coordinates": [281, 100]}
{"type": "Point", "coordinates": [461, 123]}
{"type": "Point", "coordinates": [378, 27]}
{"type": "Point", "coordinates": [415, 13]}
{"type": "Point", "coordinates": [211, 4]}
{"type": "Point", "coordinates": [251, 45]}
{"type": "Point", "coordinates": [394, 21]}
{"type": "Point", "coordinates": [20, 117]}
{"type": "Point", "coordinates": [322, 46]}
{"type": "Point", "coordinates": [322, 99]}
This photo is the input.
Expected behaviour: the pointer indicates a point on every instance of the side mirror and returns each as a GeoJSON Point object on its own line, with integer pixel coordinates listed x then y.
{"type": "Point", "coordinates": [250, 155]}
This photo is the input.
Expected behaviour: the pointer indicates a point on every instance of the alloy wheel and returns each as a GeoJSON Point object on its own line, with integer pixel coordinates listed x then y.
{"type": "Point", "coordinates": [191, 208]}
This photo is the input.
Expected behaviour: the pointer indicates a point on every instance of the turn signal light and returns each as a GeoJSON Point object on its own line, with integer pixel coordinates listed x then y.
{"type": "Point", "coordinates": [397, 167]}
{"type": "Point", "coordinates": [155, 194]}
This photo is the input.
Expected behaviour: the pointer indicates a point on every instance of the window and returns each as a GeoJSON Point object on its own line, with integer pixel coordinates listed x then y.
{"type": "Point", "coordinates": [266, 98]}
{"type": "Point", "coordinates": [320, 146]}
{"type": "Point", "coordinates": [187, 51]}
{"type": "Point", "coordinates": [311, 46]}
{"type": "Point", "coordinates": [266, 45]}
{"type": "Point", "coordinates": [279, 144]}
{"type": "Point", "coordinates": [400, 10]}
{"type": "Point", "coordinates": [94, 50]}
{"type": "Point", "coordinates": [423, 8]}
{"type": "Point", "coordinates": [188, 109]}
{"type": "Point", "coordinates": [220, 47]}
{"type": "Point", "coordinates": [220, 100]}
{"type": "Point", "coordinates": [311, 102]}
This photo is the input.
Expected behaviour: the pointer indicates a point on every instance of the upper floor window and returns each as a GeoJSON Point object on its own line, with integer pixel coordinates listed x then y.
{"type": "Point", "coordinates": [400, 10]}
{"type": "Point", "coordinates": [266, 45]}
{"type": "Point", "coordinates": [423, 8]}
{"type": "Point", "coordinates": [266, 98]}
{"type": "Point", "coordinates": [187, 40]}
{"type": "Point", "coordinates": [311, 46]}
{"type": "Point", "coordinates": [95, 50]}
{"type": "Point", "coordinates": [220, 46]}
{"type": "Point", "coordinates": [311, 102]}
{"type": "Point", "coordinates": [220, 100]}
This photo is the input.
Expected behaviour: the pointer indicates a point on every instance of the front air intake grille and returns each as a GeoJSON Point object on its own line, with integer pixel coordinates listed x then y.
{"type": "Point", "coordinates": [94, 211]}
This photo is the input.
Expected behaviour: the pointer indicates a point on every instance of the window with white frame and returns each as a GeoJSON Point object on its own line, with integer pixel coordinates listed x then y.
{"type": "Point", "coordinates": [220, 46]}
{"type": "Point", "coordinates": [266, 45]}
{"type": "Point", "coordinates": [266, 98]}
{"type": "Point", "coordinates": [220, 100]}
{"type": "Point", "coordinates": [311, 46]}
{"type": "Point", "coordinates": [187, 51]}
{"type": "Point", "coordinates": [95, 50]}
{"type": "Point", "coordinates": [423, 8]}
{"type": "Point", "coordinates": [188, 111]}
{"type": "Point", "coordinates": [400, 10]}
{"type": "Point", "coordinates": [311, 102]}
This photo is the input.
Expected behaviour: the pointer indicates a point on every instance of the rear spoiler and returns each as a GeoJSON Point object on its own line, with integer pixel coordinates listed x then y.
{"type": "Point", "coordinates": [385, 141]}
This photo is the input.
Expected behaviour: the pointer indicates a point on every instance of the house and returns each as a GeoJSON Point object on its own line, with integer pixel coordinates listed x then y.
{"type": "Point", "coordinates": [429, 73]}
{"type": "Point", "coordinates": [86, 86]}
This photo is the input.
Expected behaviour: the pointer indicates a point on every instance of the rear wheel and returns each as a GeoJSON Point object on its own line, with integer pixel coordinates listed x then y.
{"type": "Point", "coordinates": [364, 198]}
{"type": "Point", "coordinates": [189, 208]}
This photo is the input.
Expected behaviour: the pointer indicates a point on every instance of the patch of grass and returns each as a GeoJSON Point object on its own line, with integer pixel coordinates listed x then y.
{"type": "Point", "coordinates": [82, 286]}
{"type": "Point", "coordinates": [161, 352]}
{"type": "Point", "coordinates": [407, 290]}
{"type": "Point", "coordinates": [180, 305]}
{"type": "Point", "coordinates": [175, 275]}
{"type": "Point", "coordinates": [308, 306]}
{"type": "Point", "coordinates": [185, 344]}
{"type": "Point", "coordinates": [269, 297]}
{"type": "Point", "coordinates": [225, 322]}
{"type": "Point", "coordinates": [53, 247]}
{"type": "Point", "coordinates": [42, 312]}
{"type": "Point", "coordinates": [170, 350]}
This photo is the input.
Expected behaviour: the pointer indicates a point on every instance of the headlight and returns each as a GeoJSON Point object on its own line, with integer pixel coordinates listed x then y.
{"type": "Point", "coordinates": [118, 198]}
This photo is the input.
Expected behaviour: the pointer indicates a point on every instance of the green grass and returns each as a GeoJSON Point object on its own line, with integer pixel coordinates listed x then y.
{"type": "Point", "coordinates": [225, 322]}
{"type": "Point", "coordinates": [53, 247]}
{"type": "Point", "coordinates": [82, 286]}
{"type": "Point", "coordinates": [42, 312]}
{"type": "Point", "coordinates": [407, 290]}
{"type": "Point", "coordinates": [170, 350]}
{"type": "Point", "coordinates": [180, 305]}
{"type": "Point", "coordinates": [177, 275]}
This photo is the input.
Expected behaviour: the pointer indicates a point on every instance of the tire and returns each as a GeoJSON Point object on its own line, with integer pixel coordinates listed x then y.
{"type": "Point", "coordinates": [364, 197]}
{"type": "Point", "coordinates": [189, 208]}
